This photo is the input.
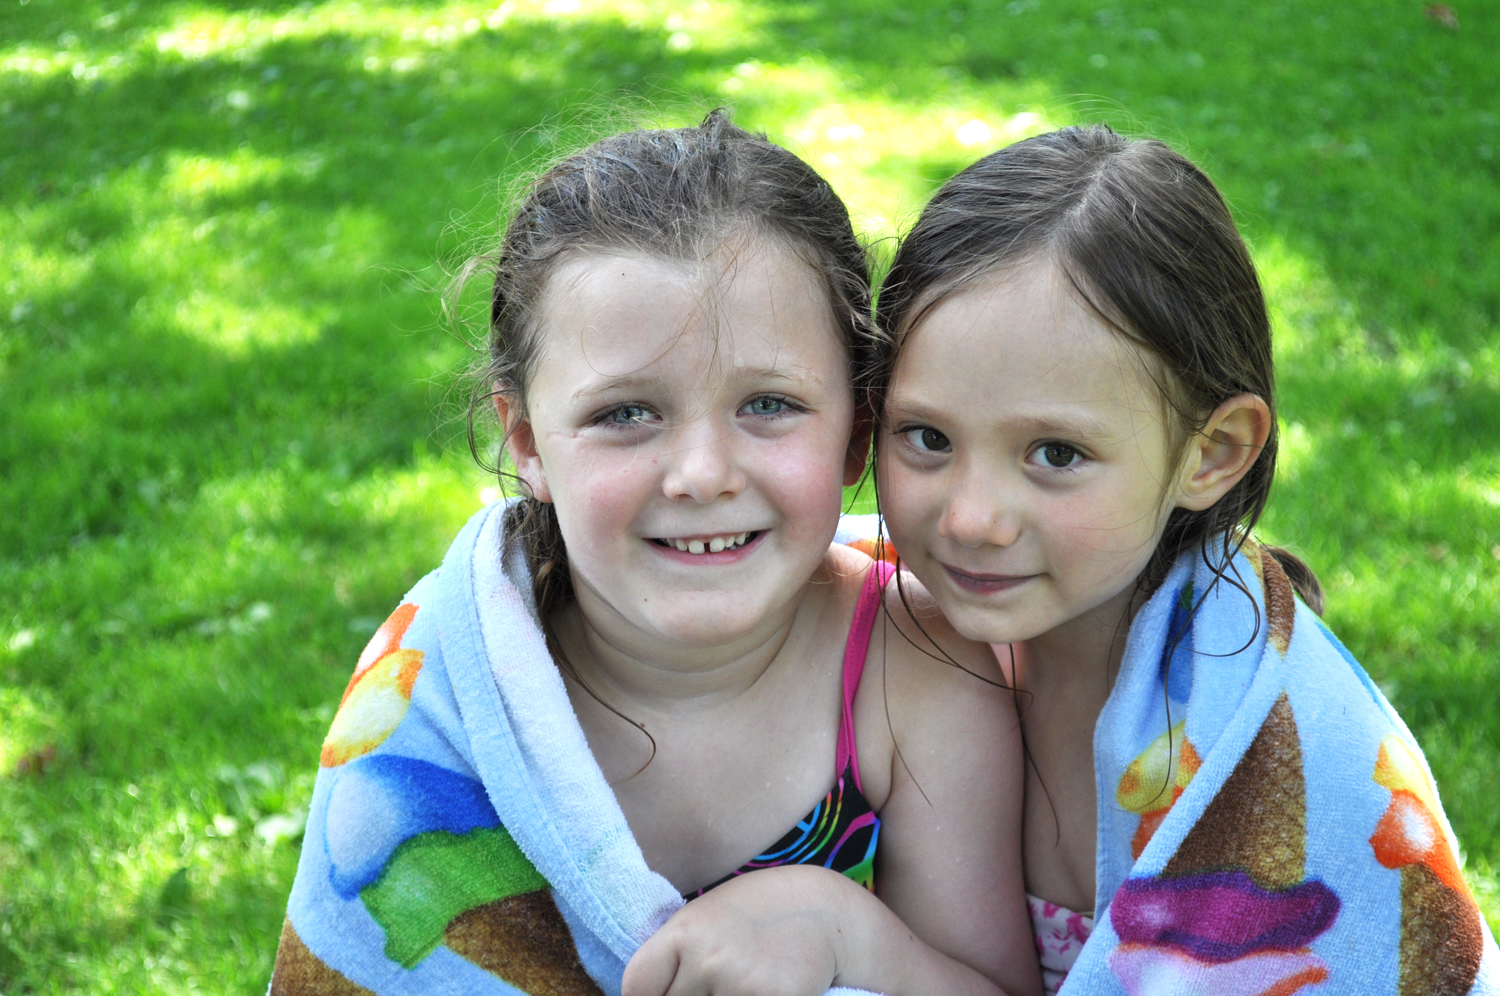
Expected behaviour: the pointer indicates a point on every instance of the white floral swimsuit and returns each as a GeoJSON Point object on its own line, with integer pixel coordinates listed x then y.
{"type": "Point", "coordinates": [1060, 934]}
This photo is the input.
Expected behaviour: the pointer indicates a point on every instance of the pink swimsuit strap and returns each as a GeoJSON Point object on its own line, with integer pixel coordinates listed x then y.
{"type": "Point", "coordinates": [866, 611]}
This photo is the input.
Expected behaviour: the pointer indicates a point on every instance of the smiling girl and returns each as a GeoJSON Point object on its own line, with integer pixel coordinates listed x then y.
{"type": "Point", "coordinates": [1077, 435]}
{"type": "Point", "coordinates": [676, 321]}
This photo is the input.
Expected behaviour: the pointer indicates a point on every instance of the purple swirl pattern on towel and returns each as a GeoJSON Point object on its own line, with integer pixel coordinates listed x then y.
{"type": "Point", "coordinates": [1221, 916]}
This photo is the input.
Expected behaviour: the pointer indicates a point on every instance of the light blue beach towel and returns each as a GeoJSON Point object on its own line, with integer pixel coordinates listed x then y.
{"type": "Point", "coordinates": [462, 839]}
{"type": "Point", "coordinates": [1267, 823]}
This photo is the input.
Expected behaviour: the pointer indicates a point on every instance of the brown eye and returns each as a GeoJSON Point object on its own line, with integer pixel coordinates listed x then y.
{"type": "Point", "coordinates": [928, 440]}
{"type": "Point", "coordinates": [1058, 455]}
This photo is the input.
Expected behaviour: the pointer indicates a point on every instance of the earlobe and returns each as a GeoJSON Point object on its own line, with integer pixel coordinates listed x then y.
{"type": "Point", "coordinates": [1222, 453]}
{"type": "Point", "coordinates": [520, 442]}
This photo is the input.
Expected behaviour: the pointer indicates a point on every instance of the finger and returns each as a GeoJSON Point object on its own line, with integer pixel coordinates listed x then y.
{"type": "Point", "coordinates": [652, 969]}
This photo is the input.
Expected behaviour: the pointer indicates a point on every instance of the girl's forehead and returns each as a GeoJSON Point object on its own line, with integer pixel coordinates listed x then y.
{"type": "Point", "coordinates": [625, 313]}
{"type": "Point", "coordinates": [1018, 339]}
{"type": "Point", "coordinates": [1029, 308]}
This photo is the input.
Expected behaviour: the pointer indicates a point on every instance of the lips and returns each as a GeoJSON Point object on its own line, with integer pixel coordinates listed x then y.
{"type": "Point", "coordinates": [985, 584]}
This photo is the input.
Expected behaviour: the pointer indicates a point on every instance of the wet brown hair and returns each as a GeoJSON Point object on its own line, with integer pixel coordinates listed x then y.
{"type": "Point", "coordinates": [678, 194]}
{"type": "Point", "coordinates": [1147, 243]}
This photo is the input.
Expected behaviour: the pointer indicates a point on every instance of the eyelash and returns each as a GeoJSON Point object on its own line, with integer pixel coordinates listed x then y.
{"type": "Point", "coordinates": [606, 417]}
{"type": "Point", "coordinates": [906, 432]}
{"type": "Point", "coordinates": [789, 406]}
{"type": "Point", "coordinates": [1069, 467]}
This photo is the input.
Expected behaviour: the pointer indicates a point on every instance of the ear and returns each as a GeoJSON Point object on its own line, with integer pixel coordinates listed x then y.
{"type": "Point", "coordinates": [858, 455]}
{"type": "Point", "coordinates": [1224, 451]}
{"type": "Point", "coordinates": [520, 441]}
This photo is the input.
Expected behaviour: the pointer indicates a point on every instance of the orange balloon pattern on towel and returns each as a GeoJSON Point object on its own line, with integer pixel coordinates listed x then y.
{"type": "Point", "coordinates": [1442, 938]}
{"type": "Point", "coordinates": [378, 695]}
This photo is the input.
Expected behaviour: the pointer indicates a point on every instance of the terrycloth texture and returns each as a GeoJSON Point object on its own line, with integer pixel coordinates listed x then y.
{"type": "Point", "coordinates": [1280, 831]}
{"type": "Point", "coordinates": [1267, 823]}
{"type": "Point", "coordinates": [462, 839]}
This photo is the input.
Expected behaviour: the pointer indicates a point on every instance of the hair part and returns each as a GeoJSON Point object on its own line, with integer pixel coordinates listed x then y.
{"type": "Point", "coordinates": [1147, 243]}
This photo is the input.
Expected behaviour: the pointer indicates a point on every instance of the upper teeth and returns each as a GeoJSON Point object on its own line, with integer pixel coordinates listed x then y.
{"type": "Point", "coordinates": [714, 544]}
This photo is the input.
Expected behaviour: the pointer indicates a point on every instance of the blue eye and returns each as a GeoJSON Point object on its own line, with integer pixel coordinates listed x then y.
{"type": "Point", "coordinates": [1056, 455]}
{"type": "Point", "coordinates": [628, 415]}
{"type": "Point", "coordinates": [766, 405]}
{"type": "Point", "coordinates": [928, 440]}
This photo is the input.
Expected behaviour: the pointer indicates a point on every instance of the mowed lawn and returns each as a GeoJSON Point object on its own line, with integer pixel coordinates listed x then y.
{"type": "Point", "coordinates": [231, 418]}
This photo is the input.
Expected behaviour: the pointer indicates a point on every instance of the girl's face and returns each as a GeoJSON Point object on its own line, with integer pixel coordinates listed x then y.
{"type": "Point", "coordinates": [1025, 466]}
{"type": "Point", "coordinates": [691, 424]}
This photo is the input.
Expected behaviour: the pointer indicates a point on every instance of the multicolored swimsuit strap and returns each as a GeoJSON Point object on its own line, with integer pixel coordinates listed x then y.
{"type": "Point", "coordinates": [842, 831]}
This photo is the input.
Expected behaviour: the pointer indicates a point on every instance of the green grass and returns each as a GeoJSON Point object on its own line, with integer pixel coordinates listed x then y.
{"type": "Point", "coordinates": [225, 450]}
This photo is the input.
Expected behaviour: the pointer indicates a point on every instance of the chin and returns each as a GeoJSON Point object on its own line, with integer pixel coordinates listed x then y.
{"type": "Point", "coordinates": [704, 626]}
{"type": "Point", "coordinates": [985, 625]}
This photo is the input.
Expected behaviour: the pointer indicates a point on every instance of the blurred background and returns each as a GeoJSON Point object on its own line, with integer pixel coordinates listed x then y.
{"type": "Point", "coordinates": [231, 417]}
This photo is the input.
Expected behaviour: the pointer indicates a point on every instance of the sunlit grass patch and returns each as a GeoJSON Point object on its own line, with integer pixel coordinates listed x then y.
{"type": "Point", "coordinates": [193, 180]}
{"type": "Point", "coordinates": [207, 32]}
{"type": "Point", "coordinates": [229, 325]}
{"type": "Point", "coordinates": [229, 405]}
{"type": "Point", "coordinates": [33, 731]}
{"type": "Point", "coordinates": [884, 157]}
{"type": "Point", "coordinates": [35, 61]}
{"type": "Point", "coordinates": [393, 32]}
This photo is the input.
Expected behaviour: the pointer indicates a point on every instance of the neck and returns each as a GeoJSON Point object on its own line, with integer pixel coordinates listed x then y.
{"type": "Point", "coordinates": [1078, 661]}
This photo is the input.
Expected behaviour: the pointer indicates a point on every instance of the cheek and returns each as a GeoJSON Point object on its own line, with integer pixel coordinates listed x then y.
{"type": "Point", "coordinates": [906, 500]}
{"type": "Point", "coordinates": [1106, 533]}
{"type": "Point", "coordinates": [599, 494]}
{"type": "Point", "coordinates": [806, 478]}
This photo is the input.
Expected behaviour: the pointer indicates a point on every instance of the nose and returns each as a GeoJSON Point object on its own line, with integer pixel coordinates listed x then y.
{"type": "Point", "coordinates": [703, 466]}
{"type": "Point", "coordinates": [980, 512]}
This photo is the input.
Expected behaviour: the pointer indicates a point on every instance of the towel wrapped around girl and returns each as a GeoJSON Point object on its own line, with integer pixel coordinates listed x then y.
{"type": "Point", "coordinates": [1266, 820]}
{"type": "Point", "coordinates": [462, 839]}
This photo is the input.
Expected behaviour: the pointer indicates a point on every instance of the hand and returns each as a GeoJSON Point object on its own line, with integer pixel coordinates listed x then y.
{"type": "Point", "coordinates": [772, 932]}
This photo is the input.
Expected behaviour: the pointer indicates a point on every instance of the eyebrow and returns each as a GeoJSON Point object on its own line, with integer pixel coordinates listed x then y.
{"type": "Point", "coordinates": [1078, 425]}
{"type": "Point", "coordinates": [626, 383]}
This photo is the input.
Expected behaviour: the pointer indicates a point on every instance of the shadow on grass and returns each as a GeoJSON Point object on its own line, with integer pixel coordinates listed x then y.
{"type": "Point", "coordinates": [208, 412]}
{"type": "Point", "coordinates": [207, 407]}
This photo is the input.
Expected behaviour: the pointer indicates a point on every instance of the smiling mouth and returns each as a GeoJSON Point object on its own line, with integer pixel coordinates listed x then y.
{"type": "Point", "coordinates": [985, 584]}
{"type": "Point", "coordinates": [708, 544]}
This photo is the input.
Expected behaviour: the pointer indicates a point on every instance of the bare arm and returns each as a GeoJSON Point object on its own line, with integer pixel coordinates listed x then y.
{"type": "Point", "coordinates": [949, 863]}
{"type": "Point", "coordinates": [796, 930]}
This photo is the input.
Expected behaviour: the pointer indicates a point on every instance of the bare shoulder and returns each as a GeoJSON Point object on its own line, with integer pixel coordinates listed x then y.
{"type": "Point", "coordinates": [840, 578]}
{"type": "Point", "coordinates": [844, 561]}
{"type": "Point", "coordinates": [933, 706]}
